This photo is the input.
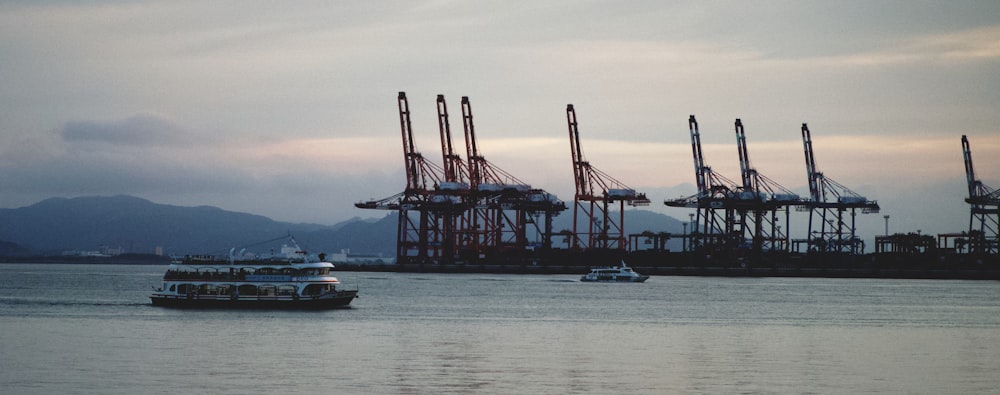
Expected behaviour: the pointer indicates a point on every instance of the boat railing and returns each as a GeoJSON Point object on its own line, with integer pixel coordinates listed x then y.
{"type": "Point", "coordinates": [242, 276]}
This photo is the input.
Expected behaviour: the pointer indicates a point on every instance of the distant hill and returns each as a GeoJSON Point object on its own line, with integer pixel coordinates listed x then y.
{"type": "Point", "coordinates": [636, 221]}
{"type": "Point", "coordinates": [137, 225]}
{"type": "Point", "coordinates": [12, 249]}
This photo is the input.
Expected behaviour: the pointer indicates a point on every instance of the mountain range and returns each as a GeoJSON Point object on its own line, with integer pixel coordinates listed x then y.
{"type": "Point", "coordinates": [135, 225]}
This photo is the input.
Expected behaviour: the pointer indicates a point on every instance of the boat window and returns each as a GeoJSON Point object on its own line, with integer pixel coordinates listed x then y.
{"type": "Point", "coordinates": [247, 289]}
{"type": "Point", "coordinates": [316, 272]}
{"type": "Point", "coordinates": [186, 288]}
{"type": "Point", "coordinates": [180, 274]}
{"type": "Point", "coordinates": [287, 290]}
{"type": "Point", "coordinates": [267, 290]}
{"type": "Point", "coordinates": [208, 289]}
{"type": "Point", "coordinates": [173, 287]}
{"type": "Point", "coordinates": [316, 289]}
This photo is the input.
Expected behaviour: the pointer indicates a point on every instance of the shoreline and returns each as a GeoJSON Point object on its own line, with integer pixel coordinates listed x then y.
{"type": "Point", "coordinates": [676, 264]}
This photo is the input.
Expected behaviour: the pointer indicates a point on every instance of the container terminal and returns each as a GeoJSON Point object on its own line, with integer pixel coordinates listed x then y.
{"type": "Point", "coordinates": [469, 215]}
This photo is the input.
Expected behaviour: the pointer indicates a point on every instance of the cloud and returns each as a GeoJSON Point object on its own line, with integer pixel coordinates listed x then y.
{"type": "Point", "coordinates": [289, 111]}
{"type": "Point", "coordinates": [949, 48]}
{"type": "Point", "coordinates": [138, 130]}
{"type": "Point", "coordinates": [154, 157]}
{"type": "Point", "coordinates": [973, 45]}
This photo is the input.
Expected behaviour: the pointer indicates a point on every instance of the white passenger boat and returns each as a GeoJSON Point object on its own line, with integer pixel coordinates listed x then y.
{"type": "Point", "coordinates": [264, 284]}
{"type": "Point", "coordinates": [614, 274]}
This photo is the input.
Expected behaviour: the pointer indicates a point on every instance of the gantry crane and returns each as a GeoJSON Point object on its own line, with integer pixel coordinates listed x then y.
{"type": "Point", "coordinates": [829, 231]}
{"type": "Point", "coordinates": [595, 192]}
{"type": "Point", "coordinates": [420, 233]}
{"type": "Point", "coordinates": [463, 211]}
{"type": "Point", "coordinates": [452, 198]}
{"type": "Point", "coordinates": [760, 201]}
{"type": "Point", "coordinates": [984, 209]}
{"type": "Point", "coordinates": [717, 228]}
{"type": "Point", "coordinates": [482, 230]}
{"type": "Point", "coordinates": [505, 206]}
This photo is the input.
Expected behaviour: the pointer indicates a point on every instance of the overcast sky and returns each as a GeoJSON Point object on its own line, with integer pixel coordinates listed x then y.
{"type": "Point", "coordinates": [288, 109]}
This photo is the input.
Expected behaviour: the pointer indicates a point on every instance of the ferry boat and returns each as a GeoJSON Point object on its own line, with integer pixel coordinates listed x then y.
{"type": "Point", "coordinates": [268, 284]}
{"type": "Point", "coordinates": [614, 274]}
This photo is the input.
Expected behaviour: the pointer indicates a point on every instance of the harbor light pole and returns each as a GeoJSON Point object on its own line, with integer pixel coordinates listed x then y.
{"type": "Point", "coordinates": [685, 247]}
{"type": "Point", "coordinates": [694, 229]}
{"type": "Point", "coordinates": [886, 224]}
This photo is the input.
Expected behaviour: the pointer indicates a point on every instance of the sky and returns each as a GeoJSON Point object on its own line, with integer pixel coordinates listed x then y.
{"type": "Point", "coordinates": [288, 109]}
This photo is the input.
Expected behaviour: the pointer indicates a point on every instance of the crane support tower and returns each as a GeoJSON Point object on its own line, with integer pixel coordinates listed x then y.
{"type": "Point", "coordinates": [829, 201]}
{"type": "Point", "coordinates": [984, 209]}
{"type": "Point", "coordinates": [595, 194]}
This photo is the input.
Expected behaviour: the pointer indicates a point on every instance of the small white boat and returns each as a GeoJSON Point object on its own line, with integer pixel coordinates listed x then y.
{"type": "Point", "coordinates": [614, 274]}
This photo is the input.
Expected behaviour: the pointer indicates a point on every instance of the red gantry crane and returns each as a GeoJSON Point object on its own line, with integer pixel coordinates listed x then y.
{"type": "Point", "coordinates": [595, 192]}
{"type": "Point", "coordinates": [507, 210]}
{"type": "Point", "coordinates": [829, 231]}
{"type": "Point", "coordinates": [420, 234]}
{"type": "Point", "coordinates": [451, 199]}
{"type": "Point", "coordinates": [463, 212]}
{"type": "Point", "coordinates": [984, 209]}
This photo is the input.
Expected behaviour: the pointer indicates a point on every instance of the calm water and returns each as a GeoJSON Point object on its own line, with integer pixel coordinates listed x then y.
{"type": "Point", "coordinates": [91, 329]}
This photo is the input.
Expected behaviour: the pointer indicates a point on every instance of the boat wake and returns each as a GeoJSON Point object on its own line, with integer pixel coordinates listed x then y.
{"type": "Point", "coordinates": [19, 301]}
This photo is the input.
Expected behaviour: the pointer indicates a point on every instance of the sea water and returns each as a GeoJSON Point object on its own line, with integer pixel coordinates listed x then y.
{"type": "Point", "coordinates": [90, 329]}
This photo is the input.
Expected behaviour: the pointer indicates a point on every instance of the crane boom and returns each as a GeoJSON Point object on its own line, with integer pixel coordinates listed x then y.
{"type": "Point", "coordinates": [970, 174]}
{"type": "Point", "coordinates": [699, 159]}
{"type": "Point", "coordinates": [579, 165]}
{"type": "Point", "coordinates": [453, 165]}
{"type": "Point", "coordinates": [811, 172]}
{"type": "Point", "coordinates": [471, 148]}
{"type": "Point", "coordinates": [414, 181]}
{"type": "Point", "coordinates": [746, 171]}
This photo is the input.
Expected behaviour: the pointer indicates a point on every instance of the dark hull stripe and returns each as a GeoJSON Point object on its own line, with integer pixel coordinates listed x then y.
{"type": "Point", "coordinates": [340, 300]}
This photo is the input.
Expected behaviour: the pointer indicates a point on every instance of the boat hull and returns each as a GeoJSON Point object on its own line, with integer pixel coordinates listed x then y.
{"type": "Point", "coordinates": [339, 299]}
{"type": "Point", "coordinates": [620, 280]}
